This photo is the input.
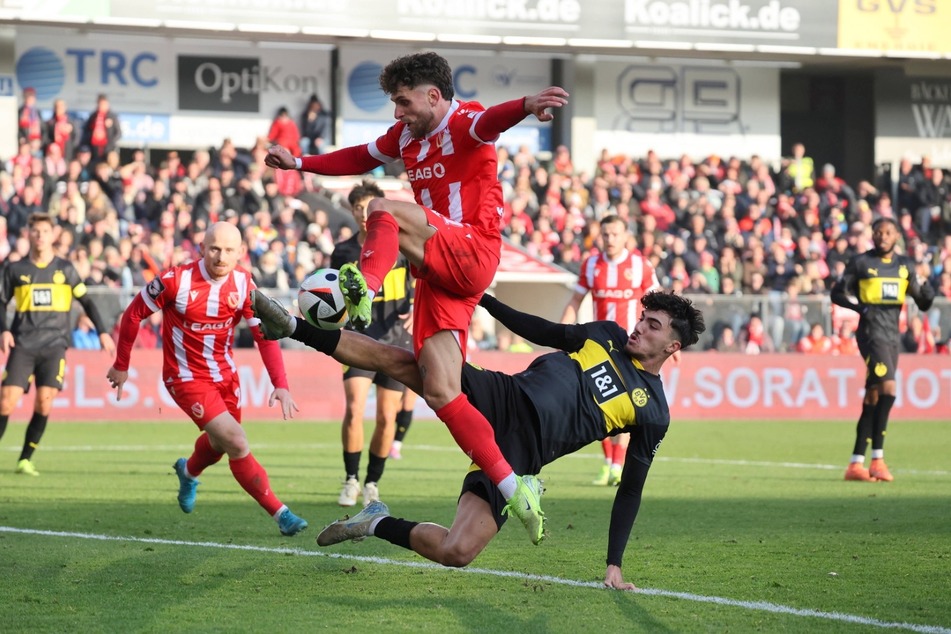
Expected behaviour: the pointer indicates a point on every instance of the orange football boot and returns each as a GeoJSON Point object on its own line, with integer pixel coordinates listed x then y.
{"type": "Point", "coordinates": [879, 470]}
{"type": "Point", "coordinates": [858, 473]}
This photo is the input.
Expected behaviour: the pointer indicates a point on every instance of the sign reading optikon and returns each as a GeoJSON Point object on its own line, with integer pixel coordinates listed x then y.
{"type": "Point", "coordinates": [219, 83]}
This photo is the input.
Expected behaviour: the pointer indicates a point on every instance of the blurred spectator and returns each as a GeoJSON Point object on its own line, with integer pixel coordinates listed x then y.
{"type": "Point", "coordinates": [62, 131]}
{"type": "Point", "coordinates": [316, 127]}
{"type": "Point", "coordinates": [29, 123]}
{"type": "Point", "coordinates": [101, 131]}
{"type": "Point", "coordinates": [918, 337]}
{"type": "Point", "coordinates": [268, 272]}
{"type": "Point", "coordinates": [908, 180]}
{"type": "Point", "coordinates": [933, 199]}
{"type": "Point", "coordinates": [844, 342]}
{"type": "Point", "coordinates": [479, 337]}
{"type": "Point", "coordinates": [801, 169]}
{"type": "Point", "coordinates": [726, 341]}
{"type": "Point", "coordinates": [754, 339]}
{"type": "Point", "coordinates": [85, 336]}
{"type": "Point", "coordinates": [816, 342]}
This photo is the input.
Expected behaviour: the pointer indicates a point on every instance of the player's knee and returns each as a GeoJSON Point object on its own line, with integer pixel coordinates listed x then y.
{"type": "Point", "coordinates": [377, 205]}
{"type": "Point", "coordinates": [458, 556]}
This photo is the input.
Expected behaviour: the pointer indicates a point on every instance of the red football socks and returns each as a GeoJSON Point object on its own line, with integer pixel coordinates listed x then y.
{"type": "Point", "coordinates": [253, 478]}
{"type": "Point", "coordinates": [380, 250]}
{"type": "Point", "coordinates": [474, 435]}
{"type": "Point", "coordinates": [203, 457]}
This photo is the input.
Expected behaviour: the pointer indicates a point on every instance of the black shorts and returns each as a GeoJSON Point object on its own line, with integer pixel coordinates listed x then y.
{"type": "Point", "coordinates": [45, 366]}
{"type": "Point", "coordinates": [394, 337]}
{"type": "Point", "coordinates": [515, 421]}
{"type": "Point", "coordinates": [881, 359]}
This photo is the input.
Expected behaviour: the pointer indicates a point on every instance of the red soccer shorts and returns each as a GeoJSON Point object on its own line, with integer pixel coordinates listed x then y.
{"type": "Point", "coordinates": [458, 265]}
{"type": "Point", "coordinates": [204, 401]}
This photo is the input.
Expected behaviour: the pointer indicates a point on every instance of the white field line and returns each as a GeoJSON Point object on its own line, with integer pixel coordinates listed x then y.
{"type": "Point", "coordinates": [444, 449]}
{"type": "Point", "coordinates": [760, 606]}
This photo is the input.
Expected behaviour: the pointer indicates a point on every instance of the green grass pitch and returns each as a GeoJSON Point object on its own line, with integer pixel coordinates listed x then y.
{"type": "Point", "coordinates": [745, 527]}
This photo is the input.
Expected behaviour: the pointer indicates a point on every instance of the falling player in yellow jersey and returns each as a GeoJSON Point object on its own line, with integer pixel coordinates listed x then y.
{"type": "Point", "coordinates": [875, 284]}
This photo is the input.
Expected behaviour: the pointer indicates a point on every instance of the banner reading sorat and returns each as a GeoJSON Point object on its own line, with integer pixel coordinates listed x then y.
{"type": "Point", "coordinates": [704, 386]}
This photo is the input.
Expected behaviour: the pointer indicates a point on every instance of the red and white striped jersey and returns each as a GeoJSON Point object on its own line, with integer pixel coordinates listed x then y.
{"type": "Point", "coordinates": [617, 286]}
{"type": "Point", "coordinates": [452, 171]}
{"type": "Point", "coordinates": [199, 315]}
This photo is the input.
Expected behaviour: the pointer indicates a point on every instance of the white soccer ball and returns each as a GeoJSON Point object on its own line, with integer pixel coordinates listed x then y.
{"type": "Point", "coordinates": [320, 300]}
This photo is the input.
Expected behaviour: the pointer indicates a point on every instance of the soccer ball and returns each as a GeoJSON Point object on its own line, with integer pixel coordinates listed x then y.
{"type": "Point", "coordinates": [320, 300]}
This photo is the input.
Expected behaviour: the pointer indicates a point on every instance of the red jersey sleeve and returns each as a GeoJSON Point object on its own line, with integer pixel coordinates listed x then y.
{"type": "Point", "coordinates": [129, 329]}
{"type": "Point", "coordinates": [649, 280]}
{"type": "Point", "coordinates": [345, 162]}
{"type": "Point", "coordinates": [497, 119]}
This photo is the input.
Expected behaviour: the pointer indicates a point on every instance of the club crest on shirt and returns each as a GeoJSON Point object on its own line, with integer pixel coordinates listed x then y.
{"type": "Point", "coordinates": [198, 410]}
{"type": "Point", "coordinates": [59, 277]}
{"type": "Point", "coordinates": [233, 299]}
{"type": "Point", "coordinates": [639, 397]}
{"type": "Point", "coordinates": [155, 288]}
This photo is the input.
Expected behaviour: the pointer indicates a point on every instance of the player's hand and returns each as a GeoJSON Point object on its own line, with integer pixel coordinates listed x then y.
{"type": "Point", "coordinates": [108, 345]}
{"type": "Point", "coordinates": [116, 379]}
{"type": "Point", "coordinates": [280, 157]}
{"type": "Point", "coordinates": [552, 97]}
{"type": "Point", "coordinates": [7, 343]}
{"type": "Point", "coordinates": [408, 321]}
{"type": "Point", "coordinates": [288, 406]}
{"type": "Point", "coordinates": [614, 579]}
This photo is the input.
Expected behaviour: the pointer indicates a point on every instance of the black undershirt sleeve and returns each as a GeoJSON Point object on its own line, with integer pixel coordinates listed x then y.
{"type": "Point", "coordinates": [537, 330]}
{"type": "Point", "coordinates": [93, 313]}
{"type": "Point", "coordinates": [627, 502]}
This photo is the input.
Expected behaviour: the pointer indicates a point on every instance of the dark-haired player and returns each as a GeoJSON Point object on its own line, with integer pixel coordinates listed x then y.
{"type": "Point", "coordinates": [451, 235]}
{"type": "Point", "coordinates": [603, 382]}
{"type": "Point", "coordinates": [875, 284]}
{"type": "Point", "coordinates": [392, 323]}
{"type": "Point", "coordinates": [43, 287]}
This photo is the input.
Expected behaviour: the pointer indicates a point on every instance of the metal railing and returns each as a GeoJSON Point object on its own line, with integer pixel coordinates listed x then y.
{"type": "Point", "coordinates": [783, 319]}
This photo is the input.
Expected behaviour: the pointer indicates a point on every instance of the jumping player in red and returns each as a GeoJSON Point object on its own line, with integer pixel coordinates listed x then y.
{"type": "Point", "coordinates": [617, 280]}
{"type": "Point", "coordinates": [451, 236]}
{"type": "Point", "coordinates": [202, 303]}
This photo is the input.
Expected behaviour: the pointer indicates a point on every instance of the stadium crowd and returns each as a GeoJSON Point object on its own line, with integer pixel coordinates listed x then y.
{"type": "Point", "coordinates": [710, 226]}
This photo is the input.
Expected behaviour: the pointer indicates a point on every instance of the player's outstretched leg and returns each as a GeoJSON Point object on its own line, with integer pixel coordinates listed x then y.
{"type": "Point", "coordinates": [276, 322]}
{"type": "Point", "coordinates": [187, 486]}
{"type": "Point", "coordinates": [526, 505]}
{"type": "Point", "coordinates": [355, 528]}
{"type": "Point", "coordinates": [355, 296]}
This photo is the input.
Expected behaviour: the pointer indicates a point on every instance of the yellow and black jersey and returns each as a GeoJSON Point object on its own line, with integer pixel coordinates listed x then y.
{"type": "Point", "coordinates": [394, 298]}
{"type": "Point", "coordinates": [43, 296]}
{"type": "Point", "coordinates": [877, 288]}
{"type": "Point", "coordinates": [595, 391]}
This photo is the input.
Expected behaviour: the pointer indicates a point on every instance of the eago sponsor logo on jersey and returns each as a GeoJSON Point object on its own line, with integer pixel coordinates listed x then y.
{"type": "Point", "coordinates": [732, 15]}
{"type": "Point", "coordinates": [424, 173]}
{"type": "Point", "coordinates": [234, 84]}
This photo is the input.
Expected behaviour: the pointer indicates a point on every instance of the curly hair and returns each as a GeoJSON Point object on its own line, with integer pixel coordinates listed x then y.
{"type": "Point", "coordinates": [685, 318]}
{"type": "Point", "coordinates": [415, 70]}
